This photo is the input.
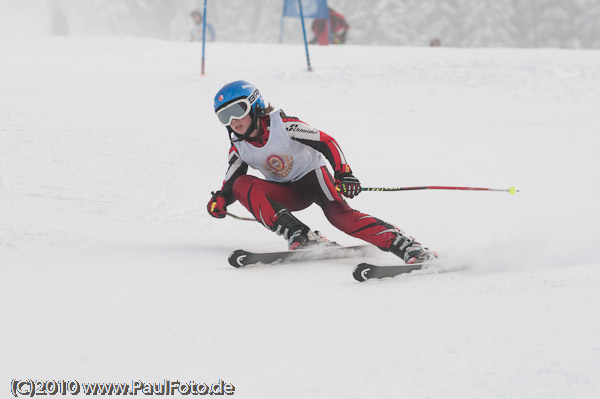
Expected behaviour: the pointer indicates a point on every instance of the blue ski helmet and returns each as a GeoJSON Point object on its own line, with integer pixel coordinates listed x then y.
{"type": "Point", "coordinates": [237, 99]}
{"type": "Point", "coordinates": [238, 90]}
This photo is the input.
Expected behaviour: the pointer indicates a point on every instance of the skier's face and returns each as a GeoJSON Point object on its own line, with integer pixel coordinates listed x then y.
{"type": "Point", "coordinates": [240, 126]}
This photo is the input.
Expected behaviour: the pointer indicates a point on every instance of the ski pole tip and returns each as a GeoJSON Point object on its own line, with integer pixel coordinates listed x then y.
{"type": "Point", "coordinates": [512, 190]}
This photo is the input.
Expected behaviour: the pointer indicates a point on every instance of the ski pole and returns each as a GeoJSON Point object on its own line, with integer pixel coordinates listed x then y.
{"type": "Point", "coordinates": [511, 190]}
{"type": "Point", "coordinates": [240, 217]}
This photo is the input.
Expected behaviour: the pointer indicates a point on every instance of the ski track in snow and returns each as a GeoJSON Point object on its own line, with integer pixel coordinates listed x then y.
{"type": "Point", "coordinates": [112, 269]}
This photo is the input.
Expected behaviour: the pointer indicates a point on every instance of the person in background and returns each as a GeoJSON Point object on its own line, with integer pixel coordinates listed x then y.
{"type": "Point", "coordinates": [339, 29]}
{"type": "Point", "coordinates": [435, 42]}
{"type": "Point", "coordinates": [60, 26]}
{"type": "Point", "coordinates": [196, 34]}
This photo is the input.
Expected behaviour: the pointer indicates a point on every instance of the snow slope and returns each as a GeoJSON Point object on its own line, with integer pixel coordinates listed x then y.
{"type": "Point", "coordinates": [111, 269]}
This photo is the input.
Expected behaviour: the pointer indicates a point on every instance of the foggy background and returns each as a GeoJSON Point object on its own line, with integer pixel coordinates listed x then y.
{"type": "Point", "coordinates": [458, 23]}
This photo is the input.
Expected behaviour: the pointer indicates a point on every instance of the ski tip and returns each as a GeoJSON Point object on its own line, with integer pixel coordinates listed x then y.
{"type": "Point", "coordinates": [512, 190]}
{"type": "Point", "coordinates": [360, 272]}
{"type": "Point", "coordinates": [236, 258]}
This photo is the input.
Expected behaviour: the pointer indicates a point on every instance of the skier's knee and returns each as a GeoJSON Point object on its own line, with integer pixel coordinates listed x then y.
{"type": "Point", "coordinates": [242, 185]}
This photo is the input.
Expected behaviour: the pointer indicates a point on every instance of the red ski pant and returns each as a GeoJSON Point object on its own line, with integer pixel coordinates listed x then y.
{"type": "Point", "coordinates": [264, 199]}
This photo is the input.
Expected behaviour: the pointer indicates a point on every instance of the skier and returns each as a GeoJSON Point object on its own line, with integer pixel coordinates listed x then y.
{"type": "Point", "coordinates": [289, 153]}
{"type": "Point", "coordinates": [338, 25]}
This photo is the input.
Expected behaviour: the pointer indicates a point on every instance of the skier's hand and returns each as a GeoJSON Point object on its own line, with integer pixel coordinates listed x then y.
{"type": "Point", "coordinates": [347, 184]}
{"type": "Point", "coordinates": [217, 206]}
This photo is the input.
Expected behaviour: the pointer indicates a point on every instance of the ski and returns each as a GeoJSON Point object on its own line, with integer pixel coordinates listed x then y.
{"type": "Point", "coordinates": [240, 257]}
{"type": "Point", "coordinates": [367, 271]}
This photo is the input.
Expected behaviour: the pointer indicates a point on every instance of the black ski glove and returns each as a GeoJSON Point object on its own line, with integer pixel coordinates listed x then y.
{"type": "Point", "coordinates": [347, 184]}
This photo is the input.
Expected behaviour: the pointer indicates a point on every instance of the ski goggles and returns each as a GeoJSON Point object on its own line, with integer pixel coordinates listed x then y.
{"type": "Point", "coordinates": [236, 110]}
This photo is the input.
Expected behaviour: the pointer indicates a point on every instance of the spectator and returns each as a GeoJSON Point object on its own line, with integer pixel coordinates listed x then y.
{"type": "Point", "coordinates": [196, 34]}
{"type": "Point", "coordinates": [60, 27]}
{"type": "Point", "coordinates": [339, 29]}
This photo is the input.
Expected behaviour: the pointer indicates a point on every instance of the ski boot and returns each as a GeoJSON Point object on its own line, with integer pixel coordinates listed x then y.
{"type": "Point", "coordinates": [410, 250]}
{"type": "Point", "coordinates": [417, 254]}
{"type": "Point", "coordinates": [299, 235]}
{"type": "Point", "coordinates": [302, 239]}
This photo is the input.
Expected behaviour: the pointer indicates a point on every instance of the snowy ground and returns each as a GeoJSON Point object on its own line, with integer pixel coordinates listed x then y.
{"type": "Point", "coordinates": [111, 269]}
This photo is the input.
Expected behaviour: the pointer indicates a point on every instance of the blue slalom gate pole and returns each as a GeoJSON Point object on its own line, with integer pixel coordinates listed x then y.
{"type": "Point", "coordinates": [304, 33]}
{"type": "Point", "coordinates": [281, 26]}
{"type": "Point", "coordinates": [203, 36]}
